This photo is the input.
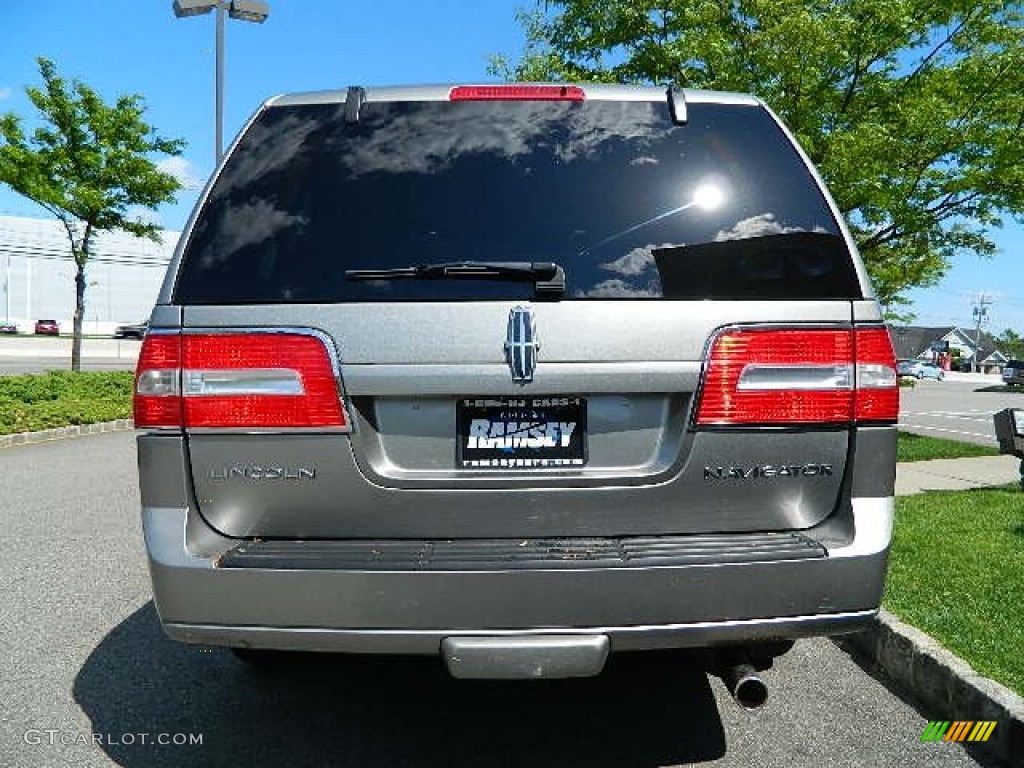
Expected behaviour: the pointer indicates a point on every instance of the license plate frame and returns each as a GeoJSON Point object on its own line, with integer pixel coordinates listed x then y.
{"type": "Point", "coordinates": [539, 421]}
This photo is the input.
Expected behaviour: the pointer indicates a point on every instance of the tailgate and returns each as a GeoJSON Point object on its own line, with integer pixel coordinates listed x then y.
{"type": "Point", "coordinates": [634, 367]}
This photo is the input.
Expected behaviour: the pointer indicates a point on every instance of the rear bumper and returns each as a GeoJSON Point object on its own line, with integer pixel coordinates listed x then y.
{"type": "Point", "coordinates": [430, 641]}
{"type": "Point", "coordinates": [414, 611]}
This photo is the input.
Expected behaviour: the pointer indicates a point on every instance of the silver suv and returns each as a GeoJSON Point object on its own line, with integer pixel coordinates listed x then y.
{"type": "Point", "coordinates": [517, 375]}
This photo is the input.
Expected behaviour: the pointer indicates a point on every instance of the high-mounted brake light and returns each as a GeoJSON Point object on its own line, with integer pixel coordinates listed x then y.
{"type": "Point", "coordinates": [780, 376]}
{"type": "Point", "coordinates": [516, 93]}
{"type": "Point", "coordinates": [237, 381]}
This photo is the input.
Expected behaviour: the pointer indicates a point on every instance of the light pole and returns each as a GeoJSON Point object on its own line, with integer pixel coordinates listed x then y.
{"type": "Point", "coordinates": [7, 289]}
{"type": "Point", "coordinates": [243, 10]}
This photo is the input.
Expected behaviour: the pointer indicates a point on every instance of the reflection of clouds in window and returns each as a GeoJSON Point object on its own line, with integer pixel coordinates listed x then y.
{"type": "Point", "coordinates": [286, 137]}
{"type": "Point", "coordinates": [429, 141]}
{"type": "Point", "coordinates": [425, 142]}
{"type": "Point", "coordinates": [620, 289]}
{"type": "Point", "coordinates": [637, 261]}
{"type": "Point", "coordinates": [758, 226]}
{"type": "Point", "coordinates": [248, 224]}
{"type": "Point", "coordinates": [639, 276]}
{"type": "Point", "coordinates": [590, 128]}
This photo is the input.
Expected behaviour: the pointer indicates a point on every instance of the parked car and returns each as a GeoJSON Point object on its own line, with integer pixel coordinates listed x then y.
{"type": "Point", "coordinates": [47, 328]}
{"type": "Point", "coordinates": [8, 328]}
{"type": "Point", "coordinates": [1013, 372]}
{"type": "Point", "coordinates": [517, 375]}
{"type": "Point", "coordinates": [131, 331]}
{"type": "Point", "coordinates": [919, 369]}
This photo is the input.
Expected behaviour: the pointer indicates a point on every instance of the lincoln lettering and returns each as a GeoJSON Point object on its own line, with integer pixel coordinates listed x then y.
{"type": "Point", "coordinates": [257, 472]}
{"type": "Point", "coordinates": [484, 433]}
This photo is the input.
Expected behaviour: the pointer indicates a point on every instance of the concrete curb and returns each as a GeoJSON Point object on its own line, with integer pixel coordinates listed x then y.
{"type": "Point", "coordinates": [941, 685]}
{"type": "Point", "coordinates": [46, 435]}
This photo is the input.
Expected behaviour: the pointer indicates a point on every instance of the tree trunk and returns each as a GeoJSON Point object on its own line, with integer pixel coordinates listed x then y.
{"type": "Point", "coordinates": [76, 342]}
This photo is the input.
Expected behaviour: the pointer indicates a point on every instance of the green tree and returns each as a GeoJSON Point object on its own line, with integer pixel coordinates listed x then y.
{"type": "Point", "coordinates": [88, 163]}
{"type": "Point", "coordinates": [1010, 344]}
{"type": "Point", "coordinates": [911, 109]}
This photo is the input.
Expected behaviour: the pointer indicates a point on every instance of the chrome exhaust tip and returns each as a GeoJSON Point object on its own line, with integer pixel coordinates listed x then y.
{"type": "Point", "coordinates": [746, 688]}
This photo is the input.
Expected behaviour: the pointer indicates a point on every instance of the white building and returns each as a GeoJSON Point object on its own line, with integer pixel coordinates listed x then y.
{"type": "Point", "coordinates": [123, 276]}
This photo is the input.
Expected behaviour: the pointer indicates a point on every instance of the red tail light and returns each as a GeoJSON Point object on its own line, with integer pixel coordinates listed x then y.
{"type": "Point", "coordinates": [878, 396]}
{"type": "Point", "coordinates": [516, 93]}
{"type": "Point", "coordinates": [799, 376]}
{"type": "Point", "coordinates": [237, 380]}
{"type": "Point", "coordinates": [157, 400]}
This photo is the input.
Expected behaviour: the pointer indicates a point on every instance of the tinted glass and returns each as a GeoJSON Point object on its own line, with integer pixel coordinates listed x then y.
{"type": "Point", "coordinates": [629, 204]}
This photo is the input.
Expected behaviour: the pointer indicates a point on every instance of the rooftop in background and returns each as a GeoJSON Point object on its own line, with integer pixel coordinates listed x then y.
{"type": "Point", "coordinates": [47, 239]}
{"type": "Point", "coordinates": [915, 342]}
{"type": "Point", "coordinates": [124, 275]}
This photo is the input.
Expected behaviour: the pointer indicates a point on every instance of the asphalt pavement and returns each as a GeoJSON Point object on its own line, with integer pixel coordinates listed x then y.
{"type": "Point", "coordinates": [83, 659]}
{"type": "Point", "coordinates": [958, 408]}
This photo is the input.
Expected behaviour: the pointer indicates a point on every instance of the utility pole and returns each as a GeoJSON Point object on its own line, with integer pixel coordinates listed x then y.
{"type": "Point", "coordinates": [980, 316]}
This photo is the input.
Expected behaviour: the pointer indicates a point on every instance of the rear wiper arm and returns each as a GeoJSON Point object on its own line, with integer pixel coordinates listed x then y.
{"type": "Point", "coordinates": [548, 277]}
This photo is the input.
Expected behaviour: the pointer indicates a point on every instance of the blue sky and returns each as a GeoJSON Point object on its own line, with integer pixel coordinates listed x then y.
{"type": "Point", "coordinates": [137, 46]}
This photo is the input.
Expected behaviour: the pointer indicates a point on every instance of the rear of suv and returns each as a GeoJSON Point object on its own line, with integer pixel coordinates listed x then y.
{"type": "Point", "coordinates": [517, 375]}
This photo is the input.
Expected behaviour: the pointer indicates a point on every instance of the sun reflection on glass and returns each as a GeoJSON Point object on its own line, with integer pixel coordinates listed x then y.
{"type": "Point", "coordinates": [708, 196]}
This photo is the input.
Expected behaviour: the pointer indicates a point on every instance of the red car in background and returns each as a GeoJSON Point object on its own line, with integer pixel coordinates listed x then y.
{"type": "Point", "coordinates": [47, 328]}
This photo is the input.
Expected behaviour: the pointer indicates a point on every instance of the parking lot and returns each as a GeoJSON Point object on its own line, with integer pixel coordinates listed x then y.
{"type": "Point", "coordinates": [83, 653]}
{"type": "Point", "coordinates": [957, 408]}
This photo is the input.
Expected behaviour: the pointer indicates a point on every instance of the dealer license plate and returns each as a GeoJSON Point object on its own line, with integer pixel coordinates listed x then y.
{"type": "Point", "coordinates": [521, 432]}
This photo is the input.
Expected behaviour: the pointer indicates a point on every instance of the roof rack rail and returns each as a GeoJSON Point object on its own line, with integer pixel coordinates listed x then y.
{"type": "Point", "coordinates": [677, 103]}
{"type": "Point", "coordinates": [354, 100]}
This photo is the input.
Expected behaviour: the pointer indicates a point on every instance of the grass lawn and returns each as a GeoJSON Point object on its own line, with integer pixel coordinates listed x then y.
{"type": "Point", "coordinates": [956, 571]}
{"type": "Point", "coordinates": [919, 448]}
{"type": "Point", "coordinates": [61, 398]}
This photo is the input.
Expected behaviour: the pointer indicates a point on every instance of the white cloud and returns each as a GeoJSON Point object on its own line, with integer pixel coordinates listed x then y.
{"type": "Point", "coordinates": [636, 262]}
{"type": "Point", "coordinates": [619, 289]}
{"type": "Point", "coordinates": [250, 223]}
{"type": "Point", "coordinates": [5, 92]}
{"type": "Point", "coordinates": [145, 215]}
{"type": "Point", "coordinates": [429, 140]}
{"type": "Point", "coordinates": [183, 170]}
{"type": "Point", "coordinates": [758, 226]}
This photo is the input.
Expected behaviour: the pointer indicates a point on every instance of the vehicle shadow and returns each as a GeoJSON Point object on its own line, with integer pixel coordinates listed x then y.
{"type": "Point", "coordinates": [645, 710]}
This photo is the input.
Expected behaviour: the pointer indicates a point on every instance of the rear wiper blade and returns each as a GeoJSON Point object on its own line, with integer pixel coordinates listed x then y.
{"type": "Point", "coordinates": [548, 277]}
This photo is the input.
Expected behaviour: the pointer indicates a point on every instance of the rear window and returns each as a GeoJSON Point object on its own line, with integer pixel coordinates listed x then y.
{"type": "Point", "coordinates": [629, 204]}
